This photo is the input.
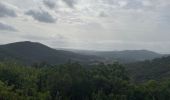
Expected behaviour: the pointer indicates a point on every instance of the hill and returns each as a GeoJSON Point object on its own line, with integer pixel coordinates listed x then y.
{"type": "Point", "coordinates": [31, 52]}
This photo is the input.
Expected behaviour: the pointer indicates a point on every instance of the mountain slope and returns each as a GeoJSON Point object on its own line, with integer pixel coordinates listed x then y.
{"type": "Point", "coordinates": [156, 69]}
{"type": "Point", "coordinates": [30, 52]}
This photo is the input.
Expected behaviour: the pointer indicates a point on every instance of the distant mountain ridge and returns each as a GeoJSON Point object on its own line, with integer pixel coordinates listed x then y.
{"type": "Point", "coordinates": [31, 52]}
{"type": "Point", "coordinates": [126, 56]}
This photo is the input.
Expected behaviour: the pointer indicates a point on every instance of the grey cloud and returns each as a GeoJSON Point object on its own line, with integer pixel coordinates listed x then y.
{"type": "Point", "coordinates": [6, 11]}
{"type": "Point", "coordinates": [50, 3]}
{"type": "Point", "coordinates": [6, 27]}
{"type": "Point", "coordinates": [102, 14]}
{"type": "Point", "coordinates": [134, 4]}
{"type": "Point", "coordinates": [41, 16]}
{"type": "Point", "coordinates": [70, 3]}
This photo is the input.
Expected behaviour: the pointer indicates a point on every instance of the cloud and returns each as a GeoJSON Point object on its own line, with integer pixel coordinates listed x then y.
{"type": "Point", "coordinates": [103, 14]}
{"type": "Point", "coordinates": [41, 16]}
{"type": "Point", "coordinates": [70, 3]}
{"type": "Point", "coordinates": [6, 10]}
{"type": "Point", "coordinates": [6, 27]}
{"type": "Point", "coordinates": [134, 4]}
{"type": "Point", "coordinates": [50, 3]}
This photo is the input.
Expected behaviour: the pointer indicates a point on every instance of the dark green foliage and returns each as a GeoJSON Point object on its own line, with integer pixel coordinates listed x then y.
{"type": "Point", "coordinates": [71, 81]}
{"type": "Point", "coordinates": [19, 82]}
{"type": "Point", "coordinates": [157, 69]}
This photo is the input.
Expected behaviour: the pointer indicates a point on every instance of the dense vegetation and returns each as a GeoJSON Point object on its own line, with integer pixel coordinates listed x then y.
{"type": "Point", "coordinates": [71, 81]}
{"type": "Point", "coordinates": [157, 69]}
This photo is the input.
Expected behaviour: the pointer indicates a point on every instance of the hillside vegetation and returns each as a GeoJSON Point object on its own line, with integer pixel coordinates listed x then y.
{"type": "Point", "coordinates": [156, 69]}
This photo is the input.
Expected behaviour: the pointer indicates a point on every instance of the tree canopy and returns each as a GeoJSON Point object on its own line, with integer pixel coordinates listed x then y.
{"type": "Point", "coordinates": [71, 81]}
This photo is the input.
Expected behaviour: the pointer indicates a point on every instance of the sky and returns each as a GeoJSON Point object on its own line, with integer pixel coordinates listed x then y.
{"type": "Point", "coordinates": [88, 24]}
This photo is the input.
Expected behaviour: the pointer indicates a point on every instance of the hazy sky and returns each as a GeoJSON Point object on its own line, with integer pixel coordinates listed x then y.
{"type": "Point", "coordinates": [88, 24]}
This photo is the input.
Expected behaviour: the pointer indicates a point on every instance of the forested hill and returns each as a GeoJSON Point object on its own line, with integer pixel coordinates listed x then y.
{"type": "Point", "coordinates": [32, 52]}
{"type": "Point", "coordinates": [157, 69]}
